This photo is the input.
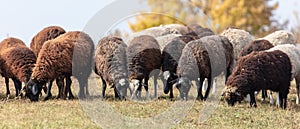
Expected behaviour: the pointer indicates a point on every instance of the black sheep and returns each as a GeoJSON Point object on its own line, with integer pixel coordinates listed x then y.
{"type": "Point", "coordinates": [259, 71]}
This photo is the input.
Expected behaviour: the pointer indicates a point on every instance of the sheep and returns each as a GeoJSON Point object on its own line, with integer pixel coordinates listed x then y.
{"type": "Point", "coordinates": [110, 62]}
{"type": "Point", "coordinates": [154, 32]}
{"type": "Point", "coordinates": [238, 38]}
{"type": "Point", "coordinates": [17, 65]}
{"type": "Point", "coordinates": [203, 58]}
{"type": "Point", "coordinates": [10, 42]}
{"type": "Point", "coordinates": [257, 45]}
{"type": "Point", "coordinates": [294, 55]}
{"type": "Point", "coordinates": [69, 54]}
{"type": "Point", "coordinates": [44, 35]}
{"type": "Point", "coordinates": [164, 40]}
{"type": "Point", "coordinates": [280, 37]}
{"type": "Point", "coordinates": [263, 70]}
{"type": "Point", "coordinates": [7, 43]}
{"type": "Point", "coordinates": [144, 56]}
{"type": "Point", "coordinates": [182, 29]}
{"type": "Point", "coordinates": [36, 44]}
{"type": "Point", "coordinates": [197, 30]}
{"type": "Point", "coordinates": [170, 57]}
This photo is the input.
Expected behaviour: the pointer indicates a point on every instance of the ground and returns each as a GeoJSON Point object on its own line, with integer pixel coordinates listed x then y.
{"type": "Point", "coordinates": [21, 113]}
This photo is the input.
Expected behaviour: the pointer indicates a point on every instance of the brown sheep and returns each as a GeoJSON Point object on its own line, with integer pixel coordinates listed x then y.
{"type": "Point", "coordinates": [69, 54]}
{"type": "Point", "coordinates": [111, 65]}
{"type": "Point", "coordinates": [6, 44]}
{"type": "Point", "coordinates": [44, 35]}
{"type": "Point", "coordinates": [144, 56]}
{"type": "Point", "coordinates": [259, 71]}
{"type": "Point", "coordinates": [18, 64]}
{"type": "Point", "coordinates": [257, 45]}
{"type": "Point", "coordinates": [10, 42]}
{"type": "Point", "coordinates": [36, 44]}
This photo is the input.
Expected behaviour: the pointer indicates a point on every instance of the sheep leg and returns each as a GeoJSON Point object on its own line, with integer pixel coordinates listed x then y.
{"type": "Point", "coordinates": [103, 87]}
{"type": "Point", "coordinates": [68, 85]}
{"type": "Point", "coordinates": [18, 86]}
{"type": "Point", "coordinates": [264, 94]}
{"type": "Point", "coordinates": [155, 77]}
{"type": "Point", "coordinates": [146, 86]}
{"type": "Point", "coordinates": [297, 89]}
{"type": "Point", "coordinates": [282, 100]}
{"type": "Point", "coordinates": [199, 88]}
{"type": "Point", "coordinates": [7, 87]}
{"type": "Point", "coordinates": [49, 94]}
{"type": "Point", "coordinates": [209, 80]}
{"type": "Point", "coordinates": [252, 100]}
{"type": "Point", "coordinates": [82, 85]}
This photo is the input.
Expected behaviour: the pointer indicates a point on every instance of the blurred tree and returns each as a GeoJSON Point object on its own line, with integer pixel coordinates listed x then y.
{"type": "Point", "coordinates": [296, 29]}
{"type": "Point", "coordinates": [254, 16]}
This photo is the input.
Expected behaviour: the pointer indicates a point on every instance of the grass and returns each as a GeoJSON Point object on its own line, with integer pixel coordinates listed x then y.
{"type": "Point", "coordinates": [20, 113]}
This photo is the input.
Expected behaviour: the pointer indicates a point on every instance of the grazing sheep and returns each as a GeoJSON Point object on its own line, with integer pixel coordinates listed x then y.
{"type": "Point", "coordinates": [281, 37]}
{"type": "Point", "coordinates": [111, 65]}
{"type": "Point", "coordinates": [6, 44]}
{"type": "Point", "coordinates": [44, 35]}
{"type": "Point", "coordinates": [144, 56]}
{"type": "Point", "coordinates": [36, 44]}
{"type": "Point", "coordinates": [170, 58]}
{"type": "Point", "coordinates": [17, 64]}
{"type": "Point", "coordinates": [203, 58]}
{"type": "Point", "coordinates": [259, 71]}
{"type": "Point", "coordinates": [238, 38]}
{"type": "Point", "coordinates": [70, 54]}
{"type": "Point", "coordinates": [257, 45]}
{"type": "Point", "coordinates": [294, 55]}
{"type": "Point", "coordinates": [199, 31]}
{"type": "Point", "coordinates": [10, 42]}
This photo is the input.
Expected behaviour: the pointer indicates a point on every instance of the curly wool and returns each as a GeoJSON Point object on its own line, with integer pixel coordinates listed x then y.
{"type": "Point", "coordinates": [280, 37]}
{"type": "Point", "coordinates": [44, 35]}
{"type": "Point", "coordinates": [55, 57]}
{"type": "Point", "coordinates": [18, 63]}
{"type": "Point", "coordinates": [260, 70]}
{"type": "Point", "coordinates": [10, 42]}
{"type": "Point", "coordinates": [200, 57]}
{"type": "Point", "coordinates": [111, 60]}
{"type": "Point", "coordinates": [257, 45]}
{"type": "Point", "coordinates": [144, 56]}
{"type": "Point", "coordinates": [238, 38]}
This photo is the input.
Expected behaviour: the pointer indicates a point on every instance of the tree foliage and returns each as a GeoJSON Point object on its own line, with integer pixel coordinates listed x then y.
{"type": "Point", "coordinates": [254, 16]}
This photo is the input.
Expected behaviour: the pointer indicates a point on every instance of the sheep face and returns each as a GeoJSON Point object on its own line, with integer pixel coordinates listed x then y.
{"type": "Point", "coordinates": [184, 86]}
{"type": "Point", "coordinates": [134, 84]}
{"type": "Point", "coordinates": [33, 89]}
{"type": "Point", "coordinates": [121, 87]}
{"type": "Point", "coordinates": [231, 95]}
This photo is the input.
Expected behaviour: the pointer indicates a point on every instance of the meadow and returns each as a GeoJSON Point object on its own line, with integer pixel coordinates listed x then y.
{"type": "Point", "coordinates": [21, 113]}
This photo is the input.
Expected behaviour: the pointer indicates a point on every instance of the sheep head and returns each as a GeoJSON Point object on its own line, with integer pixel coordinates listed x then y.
{"type": "Point", "coordinates": [121, 88]}
{"type": "Point", "coordinates": [33, 89]}
{"type": "Point", "coordinates": [184, 86]}
{"type": "Point", "coordinates": [232, 95]}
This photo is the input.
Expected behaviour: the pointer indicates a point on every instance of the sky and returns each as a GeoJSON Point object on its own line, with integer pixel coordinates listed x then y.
{"type": "Point", "coordinates": [24, 18]}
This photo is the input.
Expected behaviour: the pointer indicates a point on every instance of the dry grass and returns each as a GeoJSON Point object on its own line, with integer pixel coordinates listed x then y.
{"type": "Point", "coordinates": [70, 113]}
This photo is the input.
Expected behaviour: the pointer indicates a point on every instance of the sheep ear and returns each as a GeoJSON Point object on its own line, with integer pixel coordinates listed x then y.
{"type": "Point", "coordinates": [34, 89]}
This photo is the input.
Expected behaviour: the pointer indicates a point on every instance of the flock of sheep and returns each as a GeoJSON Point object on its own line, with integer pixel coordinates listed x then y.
{"type": "Point", "coordinates": [176, 54]}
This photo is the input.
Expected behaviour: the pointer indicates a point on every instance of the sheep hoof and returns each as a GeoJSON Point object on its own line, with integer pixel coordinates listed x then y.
{"type": "Point", "coordinates": [71, 97]}
{"type": "Point", "coordinates": [48, 97]}
{"type": "Point", "coordinates": [7, 96]}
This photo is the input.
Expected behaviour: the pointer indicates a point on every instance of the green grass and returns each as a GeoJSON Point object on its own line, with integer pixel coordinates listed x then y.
{"type": "Point", "coordinates": [20, 113]}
